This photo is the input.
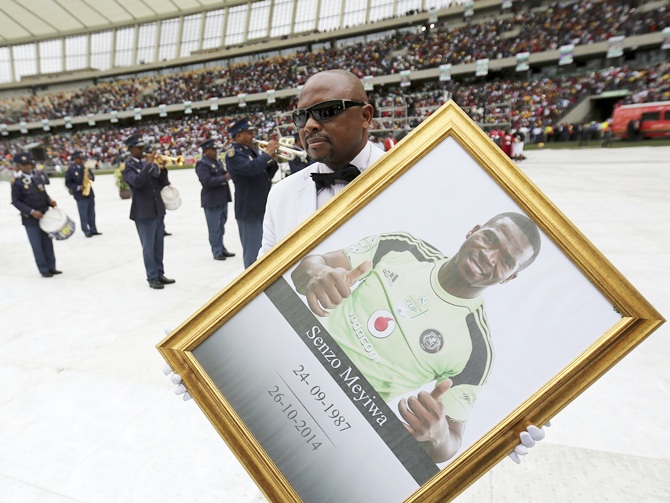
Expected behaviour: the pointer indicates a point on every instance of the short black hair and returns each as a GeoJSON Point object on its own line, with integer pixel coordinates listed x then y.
{"type": "Point", "coordinates": [525, 225]}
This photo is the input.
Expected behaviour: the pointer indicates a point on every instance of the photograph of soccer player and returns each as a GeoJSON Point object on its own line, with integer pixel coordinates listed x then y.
{"type": "Point", "coordinates": [407, 315]}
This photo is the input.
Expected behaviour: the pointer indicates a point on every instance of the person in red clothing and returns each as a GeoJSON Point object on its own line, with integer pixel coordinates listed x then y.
{"type": "Point", "coordinates": [506, 143]}
{"type": "Point", "coordinates": [389, 142]}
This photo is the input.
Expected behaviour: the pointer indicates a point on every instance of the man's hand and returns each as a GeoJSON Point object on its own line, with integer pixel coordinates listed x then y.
{"type": "Point", "coordinates": [323, 286]}
{"type": "Point", "coordinates": [428, 423]}
{"type": "Point", "coordinates": [175, 379]}
{"type": "Point", "coordinates": [179, 388]}
{"type": "Point", "coordinates": [272, 149]}
{"type": "Point", "coordinates": [528, 439]}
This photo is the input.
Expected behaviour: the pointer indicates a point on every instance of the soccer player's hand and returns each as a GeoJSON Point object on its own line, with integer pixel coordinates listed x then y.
{"type": "Point", "coordinates": [424, 414]}
{"type": "Point", "coordinates": [527, 438]}
{"type": "Point", "coordinates": [327, 289]}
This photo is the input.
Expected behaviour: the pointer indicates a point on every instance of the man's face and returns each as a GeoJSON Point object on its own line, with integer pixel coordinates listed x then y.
{"type": "Point", "coordinates": [137, 152]}
{"type": "Point", "coordinates": [25, 168]}
{"type": "Point", "coordinates": [210, 153]}
{"type": "Point", "coordinates": [493, 254]}
{"type": "Point", "coordinates": [246, 137]}
{"type": "Point", "coordinates": [336, 141]}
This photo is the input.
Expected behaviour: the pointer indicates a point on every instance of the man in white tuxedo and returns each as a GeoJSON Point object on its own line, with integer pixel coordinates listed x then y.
{"type": "Point", "coordinates": [333, 118]}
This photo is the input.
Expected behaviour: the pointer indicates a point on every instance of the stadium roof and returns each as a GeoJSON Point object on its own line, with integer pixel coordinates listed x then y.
{"type": "Point", "coordinates": [25, 21]}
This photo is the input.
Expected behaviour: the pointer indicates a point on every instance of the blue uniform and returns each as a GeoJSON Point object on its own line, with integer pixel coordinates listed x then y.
{"type": "Point", "coordinates": [252, 173]}
{"type": "Point", "coordinates": [296, 164]}
{"type": "Point", "coordinates": [74, 181]}
{"type": "Point", "coordinates": [148, 211]}
{"type": "Point", "coordinates": [214, 198]}
{"type": "Point", "coordinates": [41, 177]}
{"type": "Point", "coordinates": [28, 194]}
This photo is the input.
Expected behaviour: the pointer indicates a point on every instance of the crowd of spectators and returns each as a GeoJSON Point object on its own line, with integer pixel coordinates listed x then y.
{"type": "Point", "coordinates": [647, 86]}
{"type": "Point", "coordinates": [523, 31]}
{"type": "Point", "coordinates": [534, 107]}
{"type": "Point", "coordinates": [523, 103]}
{"type": "Point", "coordinates": [171, 137]}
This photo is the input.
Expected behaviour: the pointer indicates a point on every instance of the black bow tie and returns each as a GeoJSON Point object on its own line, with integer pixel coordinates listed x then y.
{"type": "Point", "coordinates": [322, 180]}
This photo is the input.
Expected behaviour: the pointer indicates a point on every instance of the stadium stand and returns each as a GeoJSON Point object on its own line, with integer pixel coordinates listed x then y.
{"type": "Point", "coordinates": [503, 97]}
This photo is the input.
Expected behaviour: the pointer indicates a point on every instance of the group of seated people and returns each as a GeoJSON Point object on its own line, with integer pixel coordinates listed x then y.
{"type": "Point", "coordinates": [525, 105]}
{"type": "Point", "coordinates": [170, 137]}
{"type": "Point", "coordinates": [533, 31]}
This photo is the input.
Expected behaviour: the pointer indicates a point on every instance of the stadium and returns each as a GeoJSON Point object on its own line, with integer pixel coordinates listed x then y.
{"type": "Point", "coordinates": [86, 414]}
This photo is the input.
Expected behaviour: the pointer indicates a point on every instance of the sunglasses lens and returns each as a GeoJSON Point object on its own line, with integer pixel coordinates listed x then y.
{"type": "Point", "coordinates": [300, 118]}
{"type": "Point", "coordinates": [322, 111]}
{"type": "Point", "coordinates": [327, 111]}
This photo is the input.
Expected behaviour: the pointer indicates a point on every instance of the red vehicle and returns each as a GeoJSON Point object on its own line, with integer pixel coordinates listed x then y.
{"type": "Point", "coordinates": [643, 120]}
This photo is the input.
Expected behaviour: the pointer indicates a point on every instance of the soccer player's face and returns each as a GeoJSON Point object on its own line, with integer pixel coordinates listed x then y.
{"type": "Point", "coordinates": [493, 254]}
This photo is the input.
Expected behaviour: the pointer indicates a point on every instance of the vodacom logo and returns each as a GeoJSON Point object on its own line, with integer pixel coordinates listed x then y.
{"type": "Point", "coordinates": [381, 324]}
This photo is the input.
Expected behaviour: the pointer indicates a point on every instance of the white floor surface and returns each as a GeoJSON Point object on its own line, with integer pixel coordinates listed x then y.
{"type": "Point", "coordinates": [86, 415]}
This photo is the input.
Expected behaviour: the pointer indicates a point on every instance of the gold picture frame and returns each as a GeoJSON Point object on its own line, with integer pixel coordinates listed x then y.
{"type": "Point", "coordinates": [445, 175]}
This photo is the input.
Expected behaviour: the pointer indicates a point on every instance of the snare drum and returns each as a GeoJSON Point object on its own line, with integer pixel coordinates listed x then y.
{"type": "Point", "coordinates": [57, 224]}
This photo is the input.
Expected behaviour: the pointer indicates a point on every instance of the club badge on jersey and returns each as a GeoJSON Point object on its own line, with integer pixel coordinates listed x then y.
{"type": "Point", "coordinates": [431, 341]}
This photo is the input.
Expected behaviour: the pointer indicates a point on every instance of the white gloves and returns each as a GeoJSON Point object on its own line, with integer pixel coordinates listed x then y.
{"type": "Point", "coordinates": [528, 439]}
{"type": "Point", "coordinates": [179, 388]}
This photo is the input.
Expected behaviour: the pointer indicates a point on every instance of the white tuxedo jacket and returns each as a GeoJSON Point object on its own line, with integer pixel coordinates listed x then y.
{"type": "Point", "coordinates": [293, 200]}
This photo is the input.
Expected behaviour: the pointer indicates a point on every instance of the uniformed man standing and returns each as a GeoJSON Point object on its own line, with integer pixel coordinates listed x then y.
{"type": "Point", "coordinates": [79, 181]}
{"type": "Point", "coordinates": [147, 209]}
{"type": "Point", "coordinates": [252, 172]}
{"type": "Point", "coordinates": [31, 199]}
{"type": "Point", "coordinates": [214, 197]}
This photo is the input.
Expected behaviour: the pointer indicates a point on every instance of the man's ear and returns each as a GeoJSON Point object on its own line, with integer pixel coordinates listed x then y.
{"type": "Point", "coordinates": [367, 113]}
{"type": "Point", "coordinates": [473, 230]}
{"type": "Point", "coordinates": [508, 279]}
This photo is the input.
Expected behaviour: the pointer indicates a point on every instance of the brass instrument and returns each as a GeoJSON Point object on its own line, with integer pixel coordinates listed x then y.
{"type": "Point", "coordinates": [165, 160]}
{"type": "Point", "coordinates": [86, 183]}
{"type": "Point", "coordinates": [285, 149]}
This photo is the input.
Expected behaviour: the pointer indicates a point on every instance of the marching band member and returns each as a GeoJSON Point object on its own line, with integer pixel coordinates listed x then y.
{"type": "Point", "coordinates": [214, 197]}
{"type": "Point", "coordinates": [79, 180]}
{"type": "Point", "coordinates": [147, 209]}
{"type": "Point", "coordinates": [252, 172]}
{"type": "Point", "coordinates": [30, 197]}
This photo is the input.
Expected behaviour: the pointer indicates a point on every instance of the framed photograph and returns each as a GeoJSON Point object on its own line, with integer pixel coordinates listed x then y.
{"type": "Point", "coordinates": [472, 308]}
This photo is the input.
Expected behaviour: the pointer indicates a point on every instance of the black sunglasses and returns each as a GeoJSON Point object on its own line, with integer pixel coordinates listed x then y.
{"type": "Point", "coordinates": [323, 111]}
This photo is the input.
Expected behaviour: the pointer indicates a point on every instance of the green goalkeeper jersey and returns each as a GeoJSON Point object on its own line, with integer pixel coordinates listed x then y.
{"type": "Point", "coordinates": [403, 330]}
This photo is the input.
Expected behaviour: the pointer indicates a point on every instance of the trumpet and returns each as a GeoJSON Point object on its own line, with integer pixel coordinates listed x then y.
{"type": "Point", "coordinates": [285, 149]}
{"type": "Point", "coordinates": [165, 160]}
